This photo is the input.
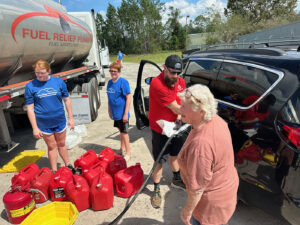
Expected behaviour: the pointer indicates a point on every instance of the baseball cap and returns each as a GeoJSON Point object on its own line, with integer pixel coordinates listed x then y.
{"type": "Point", "coordinates": [174, 62]}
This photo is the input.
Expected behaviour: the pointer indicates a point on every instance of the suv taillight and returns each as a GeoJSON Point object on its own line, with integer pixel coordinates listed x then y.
{"type": "Point", "coordinates": [293, 134]}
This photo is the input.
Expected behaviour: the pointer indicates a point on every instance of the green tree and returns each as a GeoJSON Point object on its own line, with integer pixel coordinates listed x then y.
{"type": "Point", "coordinates": [176, 36]}
{"type": "Point", "coordinates": [260, 9]}
{"type": "Point", "coordinates": [131, 21]}
{"type": "Point", "coordinates": [100, 24]}
{"type": "Point", "coordinates": [237, 25]}
{"type": "Point", "coordinates": [111, 31]}
{"type": "Point", "coordinates": [198, 25]}
{"type": "Point", "coordinates": [152, 25]}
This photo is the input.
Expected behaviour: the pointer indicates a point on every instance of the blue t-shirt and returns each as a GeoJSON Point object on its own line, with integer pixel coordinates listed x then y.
{"type": "Point", "coordinates": [120, 55]}
{"type": "Point", "coordinates": [47, 99]}
{"type": "Point", "coordinates": [116, 93]}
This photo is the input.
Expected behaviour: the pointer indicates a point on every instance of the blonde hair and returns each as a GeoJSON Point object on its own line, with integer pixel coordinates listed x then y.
{"type": "Point", "coordinates": [201, 99]}
{"type": "Point", "coordinates": [115, 65]}
{"type": "Point", "coordinates": [42, 64]}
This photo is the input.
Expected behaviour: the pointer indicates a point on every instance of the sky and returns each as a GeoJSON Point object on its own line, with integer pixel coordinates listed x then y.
{"type": "Point", "coordinates": [191, 8]}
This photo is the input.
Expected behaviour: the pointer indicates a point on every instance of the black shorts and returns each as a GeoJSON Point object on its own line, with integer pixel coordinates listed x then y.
{"type": "Point", "coordinates": [159, 141]}
{"type": "Point", "coordinates": [123, 126]}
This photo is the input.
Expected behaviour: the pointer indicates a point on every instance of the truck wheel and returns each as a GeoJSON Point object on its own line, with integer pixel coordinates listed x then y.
{"type": "Point", "coordinates": [88, 87]}
{"type": "Point", "coordinates": [76, 88]}
{"type": "Point", "coordinates": [96, 87]}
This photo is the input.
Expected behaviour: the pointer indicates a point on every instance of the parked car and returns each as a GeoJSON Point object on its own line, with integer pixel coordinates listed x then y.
{"type": "Point", "coordinates": [258, 91]}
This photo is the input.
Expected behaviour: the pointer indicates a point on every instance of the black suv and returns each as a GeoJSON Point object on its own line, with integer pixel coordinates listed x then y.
{"type": "Point", "coordinates": [258, 91]}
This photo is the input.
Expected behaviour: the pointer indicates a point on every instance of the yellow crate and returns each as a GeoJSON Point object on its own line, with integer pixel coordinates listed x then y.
{"type": "Point", "coordinates": [55, 213]}
{"type": "Point", "coordinates": [22, 160]}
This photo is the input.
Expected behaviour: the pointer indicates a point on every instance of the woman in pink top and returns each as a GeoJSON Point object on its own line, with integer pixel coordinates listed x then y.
{"type": "Point", "coordinates": [206, 161]}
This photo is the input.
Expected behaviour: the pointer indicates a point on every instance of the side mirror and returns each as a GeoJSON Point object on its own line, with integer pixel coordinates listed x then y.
{"type": "Point", "coordinates": [148, 80]}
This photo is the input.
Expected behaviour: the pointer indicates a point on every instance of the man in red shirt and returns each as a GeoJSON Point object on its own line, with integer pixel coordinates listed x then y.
{"type": "Point", "coordinates": [164, 104]}
{"type": "Point", "coordinates": [248, 119]}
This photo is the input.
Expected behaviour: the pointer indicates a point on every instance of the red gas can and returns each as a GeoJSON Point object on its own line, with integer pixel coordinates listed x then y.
{"type": "Point", "coordinates": [102, 192]}
{"type": "Point", "coordinates": [78, 192]}
{"type": "Point", "coordinates": [107, 155]}
{"type": "Point", "coordinates": [41, 182]}
{"type": "Point", "coordinates": [58, 184]}
{"type": "Point", "coordinates": [86, 160]}
{"type": "Point", "coordinates": [128, 181]}
{"type": "Point", "coordinates": [119, 163]}
{"type": "Point", "coordinates": [18, 205]}
{"type": "Point", "coordinates": [25, 175]}
{"type": "Point", "coordinates": [251, 152]}
{"type": "Point", "coordinates": [94, 171]}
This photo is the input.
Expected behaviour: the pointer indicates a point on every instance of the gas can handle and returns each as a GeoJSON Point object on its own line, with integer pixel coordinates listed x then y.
{"type": "Point", "coordinates": [17, 187]}
{"type": "Point", "coordinates": [40, 173]}
{"type": "Point", "coordinates": [76, 184]}
{"type": "Point", "coordinates": [37, 191]}
{"type": "Point", "coordinates": [96, 165]}
{"type": "Point", "coordinates": [86, 154]}
{"type": "Point", "coordinates": [74, 180]}
{"type": "Point", "coordinates": [99, 183]}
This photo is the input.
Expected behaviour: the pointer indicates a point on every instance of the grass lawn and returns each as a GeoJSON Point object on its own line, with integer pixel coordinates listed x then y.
{"type": "Point", "coordinates": [155, 57]}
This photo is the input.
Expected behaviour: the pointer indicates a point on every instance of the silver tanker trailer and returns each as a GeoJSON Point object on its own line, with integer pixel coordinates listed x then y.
{"type": "Point", "coordinates": [42, 29]}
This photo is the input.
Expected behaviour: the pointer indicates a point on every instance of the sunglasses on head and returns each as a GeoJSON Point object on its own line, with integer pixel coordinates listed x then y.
{"type": "Point", "coordinates": [189, 94]}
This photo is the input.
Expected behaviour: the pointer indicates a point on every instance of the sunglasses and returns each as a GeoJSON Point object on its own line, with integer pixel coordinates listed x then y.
{"type": "Point", "coordinates": [173, 71]}
{"type": "Point", "coordinates": [113, 71]}
{"type": "Point", "coordinates": [189, 94]}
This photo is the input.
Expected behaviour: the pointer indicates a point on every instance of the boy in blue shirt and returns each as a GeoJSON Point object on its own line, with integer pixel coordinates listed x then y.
{"type": "Point", "coordinates": [120, 57]}
{"type": "Point", "coordinates": [119, 99]}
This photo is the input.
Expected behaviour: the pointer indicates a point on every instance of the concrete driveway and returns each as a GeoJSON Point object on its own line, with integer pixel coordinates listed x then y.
{"type": "Point", "coordinates": [101, 134]}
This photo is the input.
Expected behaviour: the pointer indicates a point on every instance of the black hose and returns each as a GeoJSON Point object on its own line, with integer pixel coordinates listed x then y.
{"type": "Point", "coordinates": [183, 128]}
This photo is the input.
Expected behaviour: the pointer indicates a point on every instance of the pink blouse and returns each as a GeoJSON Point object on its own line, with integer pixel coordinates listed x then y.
{"type": "Point", "coordinates": [206, 162]}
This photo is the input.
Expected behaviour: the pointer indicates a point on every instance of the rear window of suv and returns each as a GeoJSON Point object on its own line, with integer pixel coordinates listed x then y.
{"type": "Point", "coordinates": [291, 111]}
{"type": "Point", "coordinates": [245, 80]}
{"type": "Point", "coordinates": [289, 121]}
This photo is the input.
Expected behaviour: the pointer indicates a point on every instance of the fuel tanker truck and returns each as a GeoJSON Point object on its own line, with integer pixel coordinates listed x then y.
{"type": "Point", "coordinates": [42, 29]}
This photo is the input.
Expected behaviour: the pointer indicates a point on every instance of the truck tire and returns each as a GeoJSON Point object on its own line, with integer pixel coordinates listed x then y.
{"type": "Point", "coordinates": [76, 88]}
{"type": "Point", "coordinates": [88, 87]}
{"type": "Point", "coordinates": [96, 87]}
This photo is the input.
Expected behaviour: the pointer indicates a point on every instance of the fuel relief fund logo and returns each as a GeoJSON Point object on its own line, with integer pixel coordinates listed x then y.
{"type": "Point", "coordinates": [54, 37]}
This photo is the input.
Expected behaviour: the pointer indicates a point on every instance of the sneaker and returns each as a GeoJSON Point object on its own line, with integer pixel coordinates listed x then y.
{"type": "Point", "coordinates": [178, 183]}
{"type": "Point", "coordinates": [123, 152]}
{"type": "Point", "coordinates": [126, 157]}
{"type": "Point", "coordinates": [156, 199]}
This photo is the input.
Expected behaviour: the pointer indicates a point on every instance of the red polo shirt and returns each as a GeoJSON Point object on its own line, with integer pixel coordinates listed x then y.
{"type": "Point", "coordinates": [161, 95]}
{"type": "Point", "coordinates": [251, 113]}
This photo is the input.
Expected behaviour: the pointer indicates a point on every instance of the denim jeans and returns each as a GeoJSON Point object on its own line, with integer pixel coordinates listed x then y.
{"type": "Point", "coordinates": [194, 221]}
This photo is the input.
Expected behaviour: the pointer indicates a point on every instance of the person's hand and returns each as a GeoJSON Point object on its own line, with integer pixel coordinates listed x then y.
{"type": "Point", "coordinates": [125, 118]}
{"type": "Point", "coordinates": [186, 216]}
{"type": "Point", "coordinates": [37, 133]}
{"type": "Point", "coordinates": [71, 123]}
